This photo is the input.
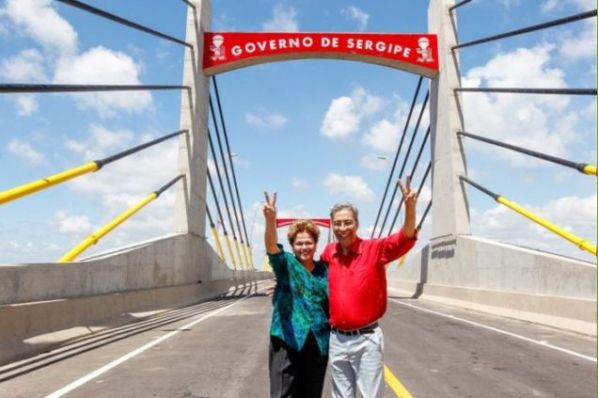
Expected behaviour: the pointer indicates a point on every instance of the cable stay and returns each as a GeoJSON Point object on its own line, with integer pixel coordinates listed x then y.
{"type": "Point", "coordinates": [115, 18]}
{"type": "Point", "coordinates": [38, 185]}
{"type": "Point", "coordinates": [9, 88]}
{"type": "Point", "coordinates": [221, 219]}
{"type": "Point", "coordinates": [394, 192]}
{"type": "Point", "coordinates": [579, 242]}
{"type": "Point", "coordinates": [394, 163]}
{"type": "Point", "coordinates": [97, 235]}
{"type": "Point", "coordinates": [581, 167]}
{"type": "Point", "coordinates": [232, 166]}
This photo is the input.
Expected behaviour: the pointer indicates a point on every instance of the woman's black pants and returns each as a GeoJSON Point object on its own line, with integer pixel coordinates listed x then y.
{"type": "Point", "coordinates": [297, 374]}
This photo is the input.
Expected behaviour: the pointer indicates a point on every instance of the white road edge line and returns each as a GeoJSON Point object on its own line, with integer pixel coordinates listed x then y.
{"type": "Point", "coordinates": [517, 336]}
{"type": "Point", "coordinates": [79, 382]}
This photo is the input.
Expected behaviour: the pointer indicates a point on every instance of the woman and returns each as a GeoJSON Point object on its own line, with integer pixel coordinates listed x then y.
{"type": "Point", "coordinates": [299, 331]}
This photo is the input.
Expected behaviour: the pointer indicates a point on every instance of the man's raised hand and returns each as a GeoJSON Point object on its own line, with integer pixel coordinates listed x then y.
{"type": "Point", "coordinates": [409, 195]}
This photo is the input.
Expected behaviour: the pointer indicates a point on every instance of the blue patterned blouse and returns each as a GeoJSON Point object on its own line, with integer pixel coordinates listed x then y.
{"type": "Point", "coordinates": [300, 301]}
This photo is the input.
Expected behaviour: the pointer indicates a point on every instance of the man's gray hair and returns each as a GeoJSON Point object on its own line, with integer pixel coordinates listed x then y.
{"type": "Point", "coordinates": [345, 206]}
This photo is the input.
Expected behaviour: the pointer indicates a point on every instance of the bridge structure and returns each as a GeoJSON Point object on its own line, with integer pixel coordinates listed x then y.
{"type": "Point", "coordinates": [64, 312]}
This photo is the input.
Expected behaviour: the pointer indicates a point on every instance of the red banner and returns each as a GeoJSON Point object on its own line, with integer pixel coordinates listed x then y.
{"type": "Point", "coordinates": [225, 51]}
{"type": "Point", "coordinates": [283, 222]}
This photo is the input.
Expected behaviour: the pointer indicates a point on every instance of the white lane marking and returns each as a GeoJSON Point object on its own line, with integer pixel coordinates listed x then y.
{"type": "Point", "coordinates": [79, 382]}
{"type": "Point", "coordinates": [542, 343]}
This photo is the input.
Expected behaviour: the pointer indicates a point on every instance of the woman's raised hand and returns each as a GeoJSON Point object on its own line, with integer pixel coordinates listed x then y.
{"type": "Point", "coordinates": [269, 208]}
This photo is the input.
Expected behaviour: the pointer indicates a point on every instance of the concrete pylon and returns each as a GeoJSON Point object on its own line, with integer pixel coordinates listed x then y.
{"type": "Point", "coordinates": [192, 157]}
{"type": "Point", "coordinates": [450, 215]}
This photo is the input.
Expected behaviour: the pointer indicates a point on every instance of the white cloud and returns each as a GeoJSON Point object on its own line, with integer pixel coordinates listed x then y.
{"type": "Point", "coordinates": [266, 119]}
{"type": "Point", "coordinates": [103, 66]}
{"type": "Point", "coordinates": [344, 114]}
{"type": "Point", "coordinates": [42, 23]}
{"type": "Point", "coordinates": [340, 120]}
{"type": "Point", "coordinates": [27, 66]}
{"type": "Point", "coordinates": [283, 20]}
{"type": "Point", "coordinates": [26, 104]}
{"type": "Point", "coordinates": [584, 5]}
{"type": "Point", "coordinates": [542, 123]}
{"type": "Point", "coordinates": [360, 16]}
{"type": "Point", "coordinates": [383, 136]}
{"type": "Point", "coordinates": [375, 163]}
{"type": "Point", "coordinates": [71, 224]}
{"type": "Point", "coordinates": [299, 184]}
{"type": "Point", "coordinates": [24, 151]}
{"type": "Point", "coordinates": [296, 211]}
{"type": "Point", "coordinates": [125, 182]}
{"type": "Point", "coordinates": [575, 214]}
{"type": "Point", "coordinates": [350, 186]}
{"type": "Point", "coordinates": [101, 142]}
{"type": "Point", "coordinates": [581, 45]}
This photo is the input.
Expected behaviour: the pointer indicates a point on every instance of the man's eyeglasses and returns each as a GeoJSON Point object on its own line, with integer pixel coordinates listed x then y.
{"type": "Point", "coordinates": [340, 223]}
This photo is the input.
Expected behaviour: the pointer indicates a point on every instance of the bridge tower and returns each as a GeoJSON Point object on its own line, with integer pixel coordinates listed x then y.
{"type": "Point", "coordinates": [450, 216]}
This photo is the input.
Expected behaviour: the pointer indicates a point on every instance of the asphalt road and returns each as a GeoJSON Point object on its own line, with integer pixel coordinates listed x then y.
{"type": "Point", "coordinates": [219, 349]}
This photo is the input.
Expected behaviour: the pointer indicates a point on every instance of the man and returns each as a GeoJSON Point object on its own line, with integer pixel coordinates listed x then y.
{"type": "Point", "coordinates": [357, 288]}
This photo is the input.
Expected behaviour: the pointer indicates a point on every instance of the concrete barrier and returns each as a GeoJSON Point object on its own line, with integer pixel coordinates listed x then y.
{"type": "Point", "coordinates": [502, 279]}
{"type": "Point", "coordinates": [45, 305]}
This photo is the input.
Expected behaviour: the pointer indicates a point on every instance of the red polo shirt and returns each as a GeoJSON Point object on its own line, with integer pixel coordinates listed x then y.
{"type": "Point", "coordinates": [357, 281]}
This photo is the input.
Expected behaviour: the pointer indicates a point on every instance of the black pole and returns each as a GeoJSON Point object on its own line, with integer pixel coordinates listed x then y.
{"type": "Point", "coordinates": [421, 221]}
{"type": "Point", "coordinates": [558, 91]}
{"type": "Point", "coordinates": [394, 163]}
{"type": "Point", "coordinates": [394, 192]}
{"type": "Point", "coordinates": [122, 21]}
{"type": "Point", "coordinates": [459, 5]}
{"type": "Point", "coordinates": [226, 206]}
{"type": "Point", "coordinates": [481, 188]}
{"type": "Point", "coordinates": [232, 166]}
{"type": "Point", "coordinates": [70, 88]}
{"type": "Point", "coordinates": [421, 185]}
{"type": "Point", "coordinates": [120, 155]}
{"type": "Point", "coordinates": [556, 22]}
{"type": "Point", "coordinates": [226, 176]}
{"type": "Point", "coordinates": [563, 162]}
{"type": "Point", "coordinates": [215, 196]}
{"type": "Point", "coordinates": [168, 185]}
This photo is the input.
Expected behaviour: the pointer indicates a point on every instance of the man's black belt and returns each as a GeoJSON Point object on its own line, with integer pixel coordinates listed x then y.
{"type": "Point", "coordinates": [365, 330]}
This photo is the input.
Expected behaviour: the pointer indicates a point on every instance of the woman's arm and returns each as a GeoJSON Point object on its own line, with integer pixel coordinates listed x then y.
{"type": "Point", "coordinates": [270, 236]}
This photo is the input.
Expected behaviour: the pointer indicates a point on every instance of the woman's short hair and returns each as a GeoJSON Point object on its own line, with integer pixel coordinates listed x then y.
{"type": "Point", "coordinates": [345, 206]}
{"type": "Point", "coordinates": [303, 226]}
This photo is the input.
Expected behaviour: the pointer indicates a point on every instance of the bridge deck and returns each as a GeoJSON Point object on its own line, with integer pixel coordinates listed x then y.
{"type": "Point", "coordinates": [219, 349]}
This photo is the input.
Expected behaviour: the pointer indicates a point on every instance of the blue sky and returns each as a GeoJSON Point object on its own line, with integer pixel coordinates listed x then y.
{"type": "Point", "coordinates": [313, 130]}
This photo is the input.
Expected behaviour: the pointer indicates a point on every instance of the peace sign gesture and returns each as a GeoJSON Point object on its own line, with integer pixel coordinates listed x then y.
{"type": "Point", "coordinates": [269, 208]}
{"type": "Point", "coordinates": [410, 200]}
{"type": "Point", "coordinates": [409, 195]}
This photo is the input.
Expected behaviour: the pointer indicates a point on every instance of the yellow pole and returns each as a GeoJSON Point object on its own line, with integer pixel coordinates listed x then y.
{"type": "Point", "coordinates": [97, 235]}
{"type": "Point", "coordinates": [239, 255]}
{"type": "Point", "coordinates": [230, 251]}
{"type": "Point", "coordinates": [589, 169]}
{"type": "Point", "coordinates": [249, 256]}
{"type": "Point", "coordinates": [218, 245]}
{"type": "Point", "coordinates": [266, 264]}
{"type": "Point", "coordinates": [38, 185]}
{"type": "Point", "coordinates": [581, 243]}
{"type": "Point", "coordinates": [244, 251]}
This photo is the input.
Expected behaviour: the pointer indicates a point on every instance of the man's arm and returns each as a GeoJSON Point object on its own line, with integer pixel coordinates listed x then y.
{"type": "Point", "coordinates": [270, 236]}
